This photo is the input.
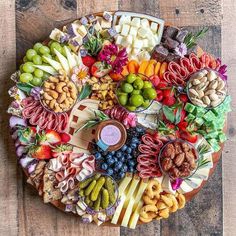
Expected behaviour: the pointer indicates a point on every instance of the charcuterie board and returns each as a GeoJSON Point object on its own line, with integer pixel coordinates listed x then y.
{"type": "Point", "coordinates": [119, 117]}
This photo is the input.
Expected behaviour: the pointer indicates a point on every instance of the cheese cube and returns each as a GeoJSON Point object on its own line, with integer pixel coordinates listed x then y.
{"type": "Point", "coordinates": [136, 51]}
{"type": "Point", "coordinates": [125, 30]}
{"type": "Point", "coordinates": [144, 55]}
{"type": "Point", "coordinates": [143, 32]}
{"type": "Point", "coordinates": [118, 28]}
{"type": "Point", "coordinates": [125, 20]}
{"type": "Point", "coordinates": [151, 41]}
{"type": "Point", "coordinates": [97, 26]}
{"type": "Point", "coordinates": [119, 39]}
{"type": "Point", "coordinates": [133, 31]}
{"type": "Point", "coordinates": [144, 23]}
{"type": "Point", "coordinates": [128, 49]}
{"type": "Point", "coordinates": [135, 22]}
{"type": "Point", "coordinates": [105, 24]}
{"type": "Point", "coordinates": [137, 43]}
{"type": "Point", "coordinates": [129, 39]}
{"type": "Point", "coordinates": [145, 43]}
{"type": "Point", "coordinates": [154, 27]}
{"type": "Point", "coordinates": [82, 30]}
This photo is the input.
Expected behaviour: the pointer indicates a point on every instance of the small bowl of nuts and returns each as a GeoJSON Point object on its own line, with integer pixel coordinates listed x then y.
{"type": "Point", "coordinates": [206, 88]}
{"type": "Point", "coordinates": [59, 94]}
{"type": "Point", "coordinates": [179, 159]}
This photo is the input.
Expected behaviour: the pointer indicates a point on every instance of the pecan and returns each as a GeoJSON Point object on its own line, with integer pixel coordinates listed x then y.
{"type": "Point", "coordinates": [185, 169]}
{"type": "Point", "coordinates": [174, 172]}
{"type": "Point", "coordinates": [178, 148]}
{"type": "Point", "coordinates": [191, 159]}
{"type": "Point", "coordinates": [185, 147]}
{"type": "Point", "coordinates": [166, 164]}
{"type": "Point", "coordinates": [169, 151]}
{"type": "Point", "coordinates": [179, 159]}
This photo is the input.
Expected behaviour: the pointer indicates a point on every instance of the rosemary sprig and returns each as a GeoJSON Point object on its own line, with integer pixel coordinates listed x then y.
{"type": "Point", "coordinates": [191, 39]}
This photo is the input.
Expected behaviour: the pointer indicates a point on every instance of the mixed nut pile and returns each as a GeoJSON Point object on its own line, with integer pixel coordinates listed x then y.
{"type": "Point", "coordinates": [59, 93]}
{"type": "Point", "coordinates": [178, 159]}
{"type": "Point", "coordinates": [206, 89]}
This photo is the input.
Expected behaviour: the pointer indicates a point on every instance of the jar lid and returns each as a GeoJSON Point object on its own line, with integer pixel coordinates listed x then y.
{"type": "Point", "coordinates": [110, 135]}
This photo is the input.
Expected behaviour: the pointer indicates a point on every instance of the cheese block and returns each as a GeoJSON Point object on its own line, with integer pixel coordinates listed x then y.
{"type": "Point", "coordinates": [135, 216]}
{"type": "Point", "coordinates": [125, 30]}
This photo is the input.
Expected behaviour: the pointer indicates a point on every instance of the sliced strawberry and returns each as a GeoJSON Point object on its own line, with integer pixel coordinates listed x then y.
{"type": "Point", "coordinates": [162, 85]}
{"type": "Point", "coordinates": [88, 61]}
{"type": "Point", "coordinates": [155, 80]}
{"type": "Point", "coordinates": [49, 137]}
{"type": "Point", "coordinates": [169, 101]}
{"type": "Point", "coordinates": [168, 93]}
{"type": "Point", "coordinates": [41, 152]}
{"type": "Point", "coordinates": [183, 98]}
{"type": "Point", "coordinates": [99, 69]}
{"type": "Point", "coordinates": [159, 96]}
{"type": "Point", "coordinates": [187, 136]}
{"type": "Point", "coordinates": [182, 125]}
{"type": "Point", "coordinates": [65, 138]}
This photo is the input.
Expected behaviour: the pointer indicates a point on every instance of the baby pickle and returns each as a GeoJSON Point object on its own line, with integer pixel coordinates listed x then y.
{"type": "Point", "coordinates": [97, 176]}
{"type": "Point", "coordinates": [90, 188]}
{"type": "Point", "coordinates": [87, 200]}
{"type": "Point", "coordinates": [97, 203]}
{"type": "Point", "coordinates": [81, 192]}
{"type": "Point", "coordinates": [105, 198]}
{"type": "Point", "coordinates": [110, 188]}
{"type": "Point", "coordinates": [85, 183]}
{"type": "Point", "coordinates": [97, 188]}
{"type": "Point", "coordinates": [91, 204]}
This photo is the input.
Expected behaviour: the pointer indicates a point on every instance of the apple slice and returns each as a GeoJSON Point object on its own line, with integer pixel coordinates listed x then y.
{"type": "Point", "coordinates": [135, 216]}
{"type": "Point", "coordinates": [56, 65]}
{"type": "Point", "coordinates": [63, 61]}
{"type": "Point", "coordinates": [48, 69]}
{"type": "Point", "coordinates": [71, 60]}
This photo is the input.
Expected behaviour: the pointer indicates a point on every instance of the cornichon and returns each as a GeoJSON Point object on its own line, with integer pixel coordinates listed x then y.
{"type": "Point", "coordinates": [90, 188]}
{"type": "Point", "coordinates": [97, 188]}
{"type": "Point", "coordinates": [81, 192]}
{"type": "Point", "coordinates": [111, 190]}
{"type": "Point", "coordinates": [97, 203]}
{"type": "Point", "coordinates": [85, 183]}
{"type": "Point", "coordinates": [97, 176]}
{"type": "Point", "coordinates": [87, 200]}
{"type": "Point", "coordinates": [105, 198]}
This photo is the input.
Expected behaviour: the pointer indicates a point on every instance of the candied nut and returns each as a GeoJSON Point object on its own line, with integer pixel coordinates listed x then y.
{"type": "Point", "coordinates": [179, 159]}
{"type": "Point", "coordinates": [169, 151]}
{"type": "Point", "coordinates": [174, 172]}
{"type": "Point", "coordinates": [178, 148]}
{"type": "Point", "coordinates": [184, 169]}
{"type": "Point", "coordinates": [191, 159]}
{"type": "Point", "coordinates": [166, 164]}
{"type": "Point", "coordinates": [185, 147]}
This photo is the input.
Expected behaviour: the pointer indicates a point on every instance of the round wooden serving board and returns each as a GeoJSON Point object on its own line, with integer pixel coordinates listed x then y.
{"type": "Point", "coordinates": [215, 157]}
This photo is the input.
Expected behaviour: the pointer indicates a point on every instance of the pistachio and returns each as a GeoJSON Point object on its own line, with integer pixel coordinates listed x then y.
{"type": "Point", "coordinates": [211, 75]}
{"type": "Point", "coordinates": [213, 84]}
{"type": "Point", "coordinates": [215, 103]}
{"type": "Point", "coordinates": [206, 100]}
{"type": "Point", "coordinates": [220, 85]}
{"type": "Point", "coordinates": [204, 79]}
{"type": "Point", "coordinates": [209, 92]}
{"type": "Point", "coordinates": [200, 93]}
{"type": "Point", "coordinates": [196, 82]}
{"type": "Point", "coordinates": [193, 91]}
{"type": "Point", "coordinates": [213, 97]}
{"type": "Point", "coordinates": [198, 102]}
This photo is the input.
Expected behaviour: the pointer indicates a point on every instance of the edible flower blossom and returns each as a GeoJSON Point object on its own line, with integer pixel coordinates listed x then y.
{"type": "Point", "coordinates": [181, 50]}
{"type": "Point", "coordinates": [113, 56]}
{"type": "Point", "coordinates": [176, 184]}
{"type": "Point", "coordinates": [222, 70]}
{"type": "Point", "coordinates": [80, 74]}
{"type": "Point", "coordinates": [130, 120]}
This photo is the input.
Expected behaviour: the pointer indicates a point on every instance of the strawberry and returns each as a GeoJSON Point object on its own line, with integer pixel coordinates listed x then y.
{"type": "Point", "coordinates": [182, 125]}
{"type": "Point", "coordinates": [49, 137]}
{"type": "Point", "coordinates": [162, 85]}
{"type": "Point", "coordinates": [168, 93]}
{"type": "Point", "coordinates": [159, 96]}
{"type": "Point", "coordinates": [65, 138]}
{"type": "Point", "coordinates": [155, 80]}
{"type": "Point", "coordinates": [88, 61]}
{"type": "Point", "coordinates": [41, 152]}
{"type": "Point", "coordinates": [187, 136]}
{"type": "Point", "coordinates": [169, 101]}
{"type": "Point", "coordinates": [183, 98]}
{"type": "Point", "coordinates": [99, 69]}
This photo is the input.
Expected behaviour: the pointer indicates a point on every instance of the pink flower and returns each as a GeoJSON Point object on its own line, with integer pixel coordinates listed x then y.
{"type": "Point", "coordinates": [181, 50]}
{"type": "Point", "coordinates": [176, 184]}
{"type": "Point", "coordinates": [130, 120]}
{"type": "Point", "coordinates": [112, 55]}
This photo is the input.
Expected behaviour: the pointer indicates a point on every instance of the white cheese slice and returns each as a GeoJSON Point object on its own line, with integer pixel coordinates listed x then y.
{"type": "Point", "coordinates": [143, 32]}
{"type": "Point", "coordinates": [151, 41]}
{"type": "Point", "coordinates": [119, 40]}
{"type": "Point", "coordinates": [125, 30]}
{"type": "Point", "coordinates": [154, 27]}
{"type": "Point", "coordinates": [144, 23]}
{"type": "Point", "coordinates": [133, 31]}
{"type": "Point", "coordinates": [135, 51]}
{"type": "Point", "coordinates": [118, 28]}
{"type": "Point", "coordinates": [138, 43]}
{"type": "Point", "coordinates": [145, 43]}
{"type": "Point", "coordinates": [129, 39]}
{"type": "Point", "coordinates": [136, 22]}
{"type": "Point", "coordinates": [56, 35]}
{"type": "Point", "coordinates": [128, 49]}
{"type": "Point", "coordinates": [97, 26]}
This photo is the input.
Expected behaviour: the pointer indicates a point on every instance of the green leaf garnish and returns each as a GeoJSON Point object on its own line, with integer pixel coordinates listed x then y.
{"type": "Point", "coordinates": [85, 92]}
{"type": "Point", "coordinates": [25, 87]}
{"type": "Point", "coordinates": [169, 114]}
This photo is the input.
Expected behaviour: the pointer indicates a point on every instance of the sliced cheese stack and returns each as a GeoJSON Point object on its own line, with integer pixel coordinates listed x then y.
{"type": "Point", "coordinates": [138, 35]}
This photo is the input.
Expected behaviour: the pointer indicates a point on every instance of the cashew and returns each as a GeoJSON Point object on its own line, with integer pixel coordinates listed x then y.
{"type": "Point", "coordinates": [53, 79]}
{"type": "Point", "coordinates": [53, 94]}
{"type": "Point", "coordinates": [73, 94]}
{"type": "Point", "coordinates": [47, 96]}
{"type": "Point", "coordinates": [52, 103]}
{"type": "Point", "coordinates": [59, 87]}
{"type": "Point", "coordinates": [61, 98]}
{"type": "Point", "coordinates": [47, 84]}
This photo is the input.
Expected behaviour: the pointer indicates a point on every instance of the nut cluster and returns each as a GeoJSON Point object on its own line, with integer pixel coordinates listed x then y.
{"type": "Point", "coordinates": [159, 205]}
{"type": "Point", "coordinates": [103, 90]}
{"type": "Point", "coordinates": [178, 159]}
{"type": "Point", "coordinates": [59, 93]}
{"type": "Point", "coordinates": [206, 89]}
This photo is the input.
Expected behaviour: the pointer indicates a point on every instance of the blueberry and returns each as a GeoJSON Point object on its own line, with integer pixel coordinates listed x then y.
{"type": "Point", "coordinates": [118, 165]}
{"type": "Point", "coordinates": [129, 157]}
{"type": "Point", "coordinates": [108, 156]}
{"type": "Point", "coordinates": [122, 158]}
{"type": "Point", "coordinates": [131, 163]}
{"type": "Point", "coordinates": [121, 175]}
{"type": "Point", "coordinates": [133, 145]}
{"type": "Point", "coordinates": [124, 168]}
{"type": "Point", "coordinates": [112, 153]}
{"type": "Point", "coordinates": [110, 171]}
{"type": "Point", "coordinates": [124, 148]}
{"type": "Point", "coordinates": [116, 169]}
{"type": "Point", "coordinates": [131, 169]}
{"type": "Point", "coordinates": [128, 150]}
{"type": "Point", "coordinates": [110, 161]}
{"type": "Point", "coordinates": [134, 140]}
{"type": "Point", "coordinates": [118, 154]}
{"type": "Point", "coordinates": [104, 166]}
{"type": "Point", "coordinates": [115, 159]}
{"type": "Point", "coordinates": [98, 155]}
{"type": "Point", "coordinates": [139, 129]}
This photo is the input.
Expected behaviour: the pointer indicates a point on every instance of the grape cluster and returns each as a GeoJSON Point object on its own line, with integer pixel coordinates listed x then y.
{"type": "Point", "coordinates": [117, 163]}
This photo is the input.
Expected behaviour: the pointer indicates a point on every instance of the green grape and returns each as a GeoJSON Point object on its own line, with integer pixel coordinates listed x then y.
{"type": "Point", "coordinates": [36, 81]}
{"type": "Point", "coordinates": [30, 53]}
{"type": "Point", "coordinates": [44, 50]}
{"type": "Point", "coordinates": [49, 43]}
{"type": "Point", "coordinates": [28, 67]}
{"type": "Point", "coordinates": [21, 68]}
{"type": "Point", "coordinates": [57, 46]}
{"type": "Point", "coordinates": [37, 60]}
{"type": "Point", "coordinates": [25, 59]}
{"type": "Point", "coordinates": [45, 75]}
{"type": "Point", "coordinates": [47, 55]}
{"type": "Point", "coordinates": [37, 46]}
{"type": "Point", "coordinates": [38, 73]}
{"type": "Point", "coordinates": [26, 77]}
